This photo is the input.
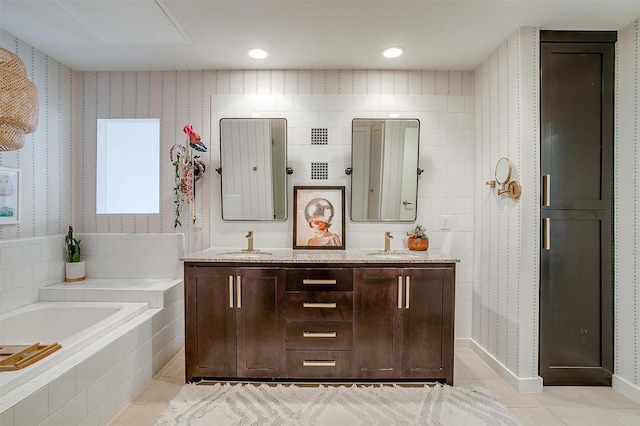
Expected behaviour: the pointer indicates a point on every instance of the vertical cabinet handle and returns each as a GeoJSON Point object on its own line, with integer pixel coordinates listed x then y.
{"type": "Point", "coordinates": [546, 233]}
{"type": "Point", "coordinates": [239, 291]}
{"type": "Point", "coordinates": [407, 296]}
{"type": "Point", "coordinates": [231, 291]}
{"type": "Point", "coordinates": [400, 292]}
{"type": "Point", "coordinates": [546, 190]}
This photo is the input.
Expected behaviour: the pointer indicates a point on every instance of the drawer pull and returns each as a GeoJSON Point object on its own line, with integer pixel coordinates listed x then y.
{"type": "Point", "coordinates": [309, 363]}
{"type": "Point", "coordinates": [320, 305]}
{"type": "Point", "coordinates": [309, 281]}
{"type": "Point", "coordinates": [325, 334]}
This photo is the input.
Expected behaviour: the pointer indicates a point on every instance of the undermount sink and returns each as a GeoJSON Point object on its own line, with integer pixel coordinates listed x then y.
{"type": "Point", "coordinates": [245, 254]}
{"type": "Point", "coordinates": [392, 254]}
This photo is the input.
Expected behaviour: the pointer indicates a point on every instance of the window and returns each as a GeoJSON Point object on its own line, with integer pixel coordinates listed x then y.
{"type": "Point", "coordinates": [128, 166]}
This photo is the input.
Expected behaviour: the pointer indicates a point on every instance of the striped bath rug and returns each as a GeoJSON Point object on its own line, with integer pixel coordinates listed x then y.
{"type": "Point", "coordinates": [265, 404]}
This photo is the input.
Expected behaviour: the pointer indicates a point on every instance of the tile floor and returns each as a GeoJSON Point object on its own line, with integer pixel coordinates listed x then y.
{"type": "Point", "coordinates": [560, 405]}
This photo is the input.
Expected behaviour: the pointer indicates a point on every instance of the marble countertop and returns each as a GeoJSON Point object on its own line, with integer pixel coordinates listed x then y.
{"type": "Point", "coordinates": [279, 255]}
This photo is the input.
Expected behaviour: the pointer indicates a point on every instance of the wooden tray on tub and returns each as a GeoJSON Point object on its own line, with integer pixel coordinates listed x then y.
{"type": "Point", "coordinates": [14, 357]}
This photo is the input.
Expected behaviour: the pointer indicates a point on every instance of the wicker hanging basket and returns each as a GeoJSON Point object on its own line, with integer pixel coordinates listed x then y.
{"type": "Point", "coordinates": [18, 102]}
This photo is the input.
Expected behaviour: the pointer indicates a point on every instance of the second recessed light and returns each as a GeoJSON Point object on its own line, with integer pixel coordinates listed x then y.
{"type": "Point", "coordinates": [392, 52]}
{"type": "Point", "coordinates": [257, 53]}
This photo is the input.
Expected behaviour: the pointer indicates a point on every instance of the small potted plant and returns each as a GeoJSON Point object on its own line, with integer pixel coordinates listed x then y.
{"type": "Point", "coordinates": [74, 267]}
{"type": "Point", "coordinates": [418, 239]}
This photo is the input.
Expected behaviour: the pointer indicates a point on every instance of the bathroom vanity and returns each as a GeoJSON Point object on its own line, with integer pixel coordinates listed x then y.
{"type": "Point", "coordinates": [310, 315]}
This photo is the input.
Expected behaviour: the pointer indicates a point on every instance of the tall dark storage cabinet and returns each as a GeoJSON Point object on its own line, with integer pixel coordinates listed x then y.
{"type": "Point", "coordinates": [576, 316]}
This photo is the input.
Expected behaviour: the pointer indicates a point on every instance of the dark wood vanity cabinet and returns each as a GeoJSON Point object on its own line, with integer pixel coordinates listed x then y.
{"type": "Point", "coordinates": [234, 322]}
{"type": "Point", "coordinates": [404, 323]}
{"type": "Point", "coordinates": [293, 322]}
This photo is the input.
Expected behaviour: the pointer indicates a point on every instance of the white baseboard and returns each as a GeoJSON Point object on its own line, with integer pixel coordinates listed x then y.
{"type": "Point", "coordinates": [460, 343]}
{"type": "Point", "coordinates": [522, 385]}
{"type": "Point", "coordinates": [626, 388]}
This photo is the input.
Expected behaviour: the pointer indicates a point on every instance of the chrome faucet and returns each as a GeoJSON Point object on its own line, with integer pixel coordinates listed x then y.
{"type": "Point", "coordinates": [249, 237]}
{"type": "Point", "coordinates": [387, 241]}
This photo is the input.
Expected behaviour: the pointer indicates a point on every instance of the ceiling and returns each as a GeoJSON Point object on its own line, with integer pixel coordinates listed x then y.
{"type": "Point", "coordinates": [121, 35]}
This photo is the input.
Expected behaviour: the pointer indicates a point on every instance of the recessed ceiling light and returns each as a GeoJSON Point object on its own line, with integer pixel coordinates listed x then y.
{"type": "Point", "coordinates": [392, 52]}
{"type": "Point", "coordinates": [257, 53]}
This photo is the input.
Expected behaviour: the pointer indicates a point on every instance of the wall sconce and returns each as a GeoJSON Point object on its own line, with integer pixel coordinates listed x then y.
{"type": "Point", "coordinates": [18, 102]}
{"type": "Point", "coordinates": [503, 178]}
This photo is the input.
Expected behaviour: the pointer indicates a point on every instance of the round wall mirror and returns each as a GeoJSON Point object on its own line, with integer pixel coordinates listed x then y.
{"type": "Point", "coordinates": [503, 171]}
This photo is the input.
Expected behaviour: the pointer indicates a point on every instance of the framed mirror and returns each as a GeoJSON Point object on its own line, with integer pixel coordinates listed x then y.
{"type": "Point", "coordinates": [253, 168]}
{"type": "Point", "coordinates": [384, 171]}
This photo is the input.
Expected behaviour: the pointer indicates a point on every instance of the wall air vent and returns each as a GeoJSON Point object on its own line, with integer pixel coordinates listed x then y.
{"type": "Point", "coordinates": [319, 171]}
{"type": "Point", "coordinates": [319, 137]}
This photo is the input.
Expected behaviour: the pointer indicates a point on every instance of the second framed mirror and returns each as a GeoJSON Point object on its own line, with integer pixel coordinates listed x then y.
{"type": "Point", "coordinates": [384, 172]}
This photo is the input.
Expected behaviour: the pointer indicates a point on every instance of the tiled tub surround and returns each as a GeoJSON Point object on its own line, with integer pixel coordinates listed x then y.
{"type": "Point", "coordinates": [156, 292]}
{"type": "Point", "coordinates": [72, 325]}
{"type": "Point", "coordinates": [94, 384]}
{"type": "Point", "coordinates": [28, 264]}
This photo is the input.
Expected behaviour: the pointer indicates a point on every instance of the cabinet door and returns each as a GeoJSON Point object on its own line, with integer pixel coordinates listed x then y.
{"type": "Point", "coordinates": [261, 327]}
{"type": "Point", "coordinates": [576, 275]}
{"type": "Point", "coordinates": [576, 299]}
{"type": "Point", "coordinates": [210, 349]}
{"type": "Point", "coordinates": [377, 337]}
{"type": "Point", "coordinates": [427, 323]}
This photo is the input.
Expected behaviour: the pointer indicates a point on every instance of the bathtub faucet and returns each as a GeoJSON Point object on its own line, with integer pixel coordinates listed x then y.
{"type": "Point", "coordinates": [249, 237]}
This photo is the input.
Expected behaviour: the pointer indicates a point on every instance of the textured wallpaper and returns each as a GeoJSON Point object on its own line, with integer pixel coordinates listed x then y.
{"type": "Point", "coordinates": [505, 278]}
{"type": "Point", "coordinates": [626, 181]}
{"type": "Point", "coordinates": [45, 162]}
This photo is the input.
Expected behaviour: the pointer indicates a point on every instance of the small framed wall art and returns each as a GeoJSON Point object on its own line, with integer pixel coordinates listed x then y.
{"type": "Point", "coordinates": [318, 219]}
{"type": "Point", "coordinates": [9, 196]}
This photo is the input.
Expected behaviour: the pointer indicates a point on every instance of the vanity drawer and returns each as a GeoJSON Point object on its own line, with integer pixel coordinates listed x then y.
{"type": "Point", "coordinates": [320, 335]}
{"type": "Point", "coordinates": [320, 279]}
{"type": "Point", "coordinates": [319, 364]}
{"type": "Point", "coordinates": [313, 306]}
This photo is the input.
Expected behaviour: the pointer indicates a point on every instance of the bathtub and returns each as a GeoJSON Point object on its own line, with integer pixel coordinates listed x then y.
{"type": "Point", "coordinates": [74, 325]}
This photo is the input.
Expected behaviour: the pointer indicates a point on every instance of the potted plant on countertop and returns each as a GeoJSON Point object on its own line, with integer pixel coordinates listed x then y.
{"type": "Point", "coordinates": [74, 267]}
{"type": "Point", "coordinates": [418, 239]}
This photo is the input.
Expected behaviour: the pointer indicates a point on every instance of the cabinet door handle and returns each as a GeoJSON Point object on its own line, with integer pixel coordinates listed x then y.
{"type": "Point", "coordinates": [314, 363]}
{"type": "Point", "coordinates": [408, 291]}
{"type": "Point", "coordinates": [400, 292]}
{"type": "Point", "coordinates": [546, 233]}
{"type": "Point", "coordinates": [309, 281]}
{"type": "Point", "coordinates": [546, 190]}
{"type": "Point", "coordinates": [239, 291]}
{"type": "Point", "coordinates": [320, 334]}
{"type": "Point", "coordinates": [231, 291]}
{"type": "Point", "coordinates": [319, 305]}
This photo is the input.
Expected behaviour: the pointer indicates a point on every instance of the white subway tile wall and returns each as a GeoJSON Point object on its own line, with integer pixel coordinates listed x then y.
{"type": "Point", "coordinates": [445, 187]}
{"type": "Point", "coordinates": [28, 264]}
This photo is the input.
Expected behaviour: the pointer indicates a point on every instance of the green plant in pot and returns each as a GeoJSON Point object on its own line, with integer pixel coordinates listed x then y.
{"type": "Point", "coordinates": [74, 268]}
{"type": "Point", "coordinates": [418, 239]}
